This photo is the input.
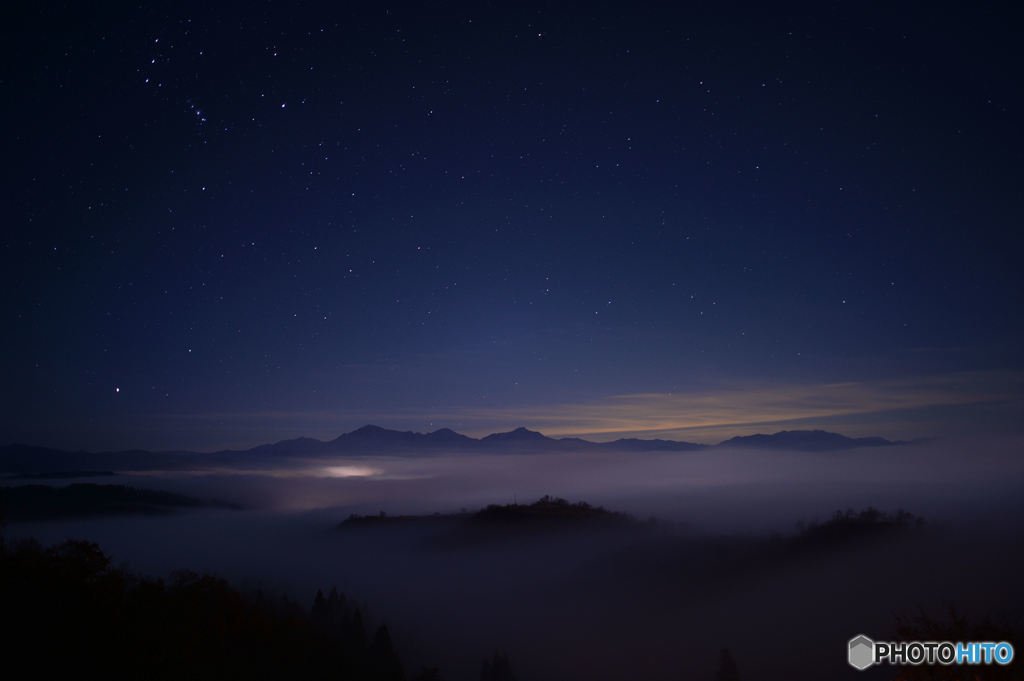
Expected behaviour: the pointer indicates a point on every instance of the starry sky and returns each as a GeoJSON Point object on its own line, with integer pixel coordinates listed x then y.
{"type": "Point", "coordinates": [227, 225]}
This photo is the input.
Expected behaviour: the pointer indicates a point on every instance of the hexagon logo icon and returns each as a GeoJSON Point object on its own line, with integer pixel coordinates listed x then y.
{"type": "Point", "coordinates": [861, 652]}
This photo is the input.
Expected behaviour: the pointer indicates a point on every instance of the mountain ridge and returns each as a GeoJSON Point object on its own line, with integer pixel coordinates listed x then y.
{"type": "Point", "coordinates": [19, 459]}
{"type": "Point", "coordinates": [806, 440]}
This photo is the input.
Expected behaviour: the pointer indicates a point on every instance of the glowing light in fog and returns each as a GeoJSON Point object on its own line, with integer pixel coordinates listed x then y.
{"type": "Point", "coordinates": [347, 471]}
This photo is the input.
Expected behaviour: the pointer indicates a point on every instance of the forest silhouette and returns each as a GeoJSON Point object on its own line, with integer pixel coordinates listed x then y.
{"type": "Point", "coordinates": [70, 612]}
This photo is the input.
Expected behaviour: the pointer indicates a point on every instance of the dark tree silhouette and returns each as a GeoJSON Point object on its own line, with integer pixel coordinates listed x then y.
{"type": "Point", "coordinates": [727, 667]}
{"type": "Point", "coordinates": [954, 626]}
{"type": "Point", "coordinates": [356, 630]}
{"type": "Point", "coordinates": [191, 626]}
{"type": "Point", "coordinates": [318, 614]}
{"type": "Point", "coordinates": [849, 525]}
{"type": "Point", "coordinates": [497, 669]}
{"type": "Point", "coordinates": [383, 662]}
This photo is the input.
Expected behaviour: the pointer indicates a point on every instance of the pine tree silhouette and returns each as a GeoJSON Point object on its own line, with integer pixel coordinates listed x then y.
{"type": "Point", "coordinates": [727, 667]}
{"type": "Point", "coordinates": [384, 664]}
{"type": "Point", "coordinates": [497, 669]}
{"type": "Point", "coordinates": [318, 614]}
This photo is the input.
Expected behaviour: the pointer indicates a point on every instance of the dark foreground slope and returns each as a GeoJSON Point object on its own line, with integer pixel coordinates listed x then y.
{"type": "Point", "coordinates": [103, 622]}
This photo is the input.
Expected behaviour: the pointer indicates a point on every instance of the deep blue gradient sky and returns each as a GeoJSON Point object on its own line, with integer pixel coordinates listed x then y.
{"type": "Point", "coordinates": [231, 225]}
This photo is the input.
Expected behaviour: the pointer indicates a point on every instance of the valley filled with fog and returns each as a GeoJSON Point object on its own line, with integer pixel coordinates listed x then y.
{"type": "Point", "coordinates": [711, 558]}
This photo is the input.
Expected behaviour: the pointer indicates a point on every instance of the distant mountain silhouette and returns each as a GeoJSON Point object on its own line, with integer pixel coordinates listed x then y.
{"type": "Point", "coordinates": [518, 435]}
{"type": "Point", "coordinates": [372, 439]}
{"type": "Point", "coordinates": [26, 460]}
{"type": "Point", "coordinates": [375, 438]}
{"type": "Point", "coordinates": [806, 440]}
{"type": "Point", "coordinates": [633, 444]}
{"type": "Point", "coordinates": [525, 440]}
{"type": "Point", "coordinates": [58, 475]}
{"type": "Point", "coordinates": [297, 447]}
{"type": "Point", "coordinates": [448, 436]}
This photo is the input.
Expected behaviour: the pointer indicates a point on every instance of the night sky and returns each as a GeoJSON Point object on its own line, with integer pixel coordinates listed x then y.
{"type": "Point", "coordinates": [232, 225]}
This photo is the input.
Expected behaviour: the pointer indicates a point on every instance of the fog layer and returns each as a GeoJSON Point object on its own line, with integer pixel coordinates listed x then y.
{"type": "Point", "coordinates": [653, 601]}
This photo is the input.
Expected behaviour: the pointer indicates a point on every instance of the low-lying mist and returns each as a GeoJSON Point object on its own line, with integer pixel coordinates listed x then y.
{"type": "Point", "coordinates": [651, 600]}
{"type": "Point", "coordinates": [715, 490]}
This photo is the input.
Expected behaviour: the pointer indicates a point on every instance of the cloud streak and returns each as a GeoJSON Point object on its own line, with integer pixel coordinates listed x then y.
{"type": "Point", "coordinates": [896, 408]}
{"type": "Point", "coordinates": [737, 407]}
